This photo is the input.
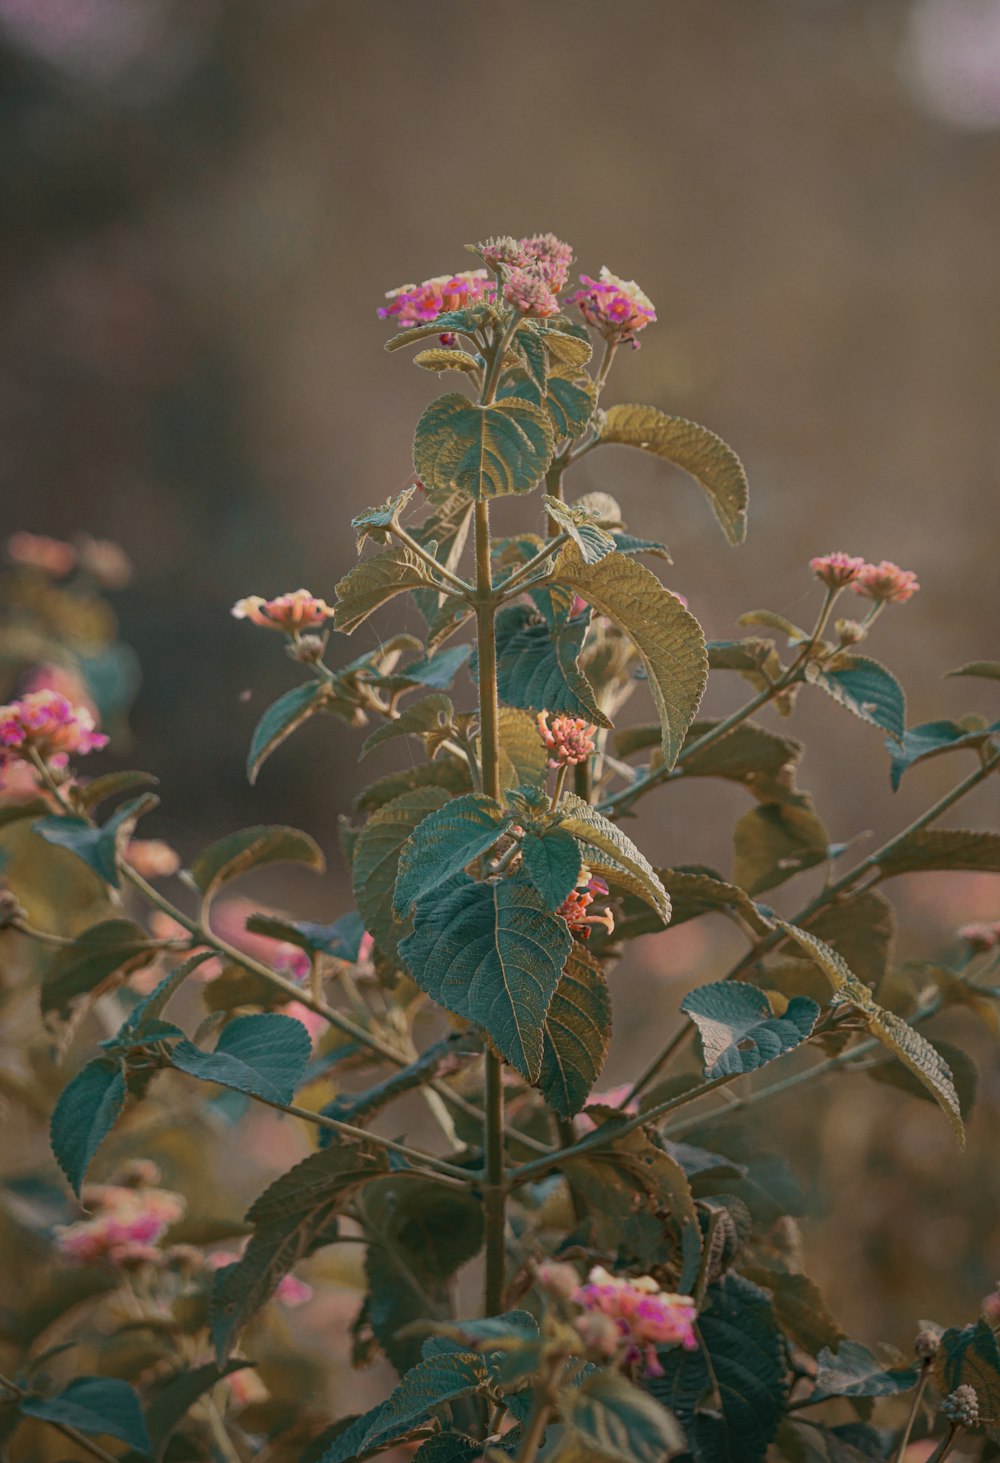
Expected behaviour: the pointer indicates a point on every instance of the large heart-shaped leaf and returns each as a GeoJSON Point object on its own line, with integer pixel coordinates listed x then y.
{"type": "Point", "coordinates": [443, 843]}
{"type": "Point", "coordinates": [739, 1031]}
{"type": "Point", "coordinates": [485, 451]}
{"type": "Point", "coordinates": [252, 848]}
{"type": "Point", "coordinates": [265, 1056]}
{"type": "Point", "coordinates": [577, 1034]}
{"type": "Point", "coordinates": [87, 1110]}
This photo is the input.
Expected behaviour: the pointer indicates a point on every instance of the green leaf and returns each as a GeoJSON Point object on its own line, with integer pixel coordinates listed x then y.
{"type": "Point", "coordinates": [87, 1110]}
{"type": "Point", "coordinates": [627, 543]}
{"type": "Point", "coordinates": [930, 739]}
{"type": "Point", "coordinates": [730, 1396]}
{"type": "Point", "coordinates": [373, 522]}
{"type": "Point", "coordinates": [492, 954]}
{"type": "Point", "coordinates": [376, 859]}
{"type": "Point", "coordinates": [577, 1034]}
{"type": "Point", "coordinates": [862, 930]}
{"type": "Point", "coordinates": [291, 1218]}
{"type": "Point", "coordinates": [94, 956]}
{"type": "Point", "coordinates": [95, 790]}
{"type": "Point", "coordinates": [282, 718]}
{"type": "Point", "coordinates": [988, 670]}
{"type": "Point", "coordinates": [866, 689]}
{"type": "Point", "coordinates": [551, 859]}
{"type": "Point", "coordinates": [854, 1371]}
{"type": "Point", "coordinates": [693, 892]}
{"type": "Point", "coordinates": [450, 774]}
{"type": "Point", "coordinates": [252, 848]}
{"type": "Point", "coordinates": [801, 1311]}
{"type": "Point", "coordinates": [443, 844]}
{"type": "Point", "coordinates": [450, 322]}
{"type": "Point", "coordinates": [569, 405]}
{"type": "Point", "coordinates": [375, 581]}
{"type": "Point", "coordinates": [524, 759]}
{"type": "Point", "coordinates": [583, 528]}
{"type": "Point", "coordinates": [419, 1235]}
{"type": "Point", "coordinates": [912, 1049]}
{"type": "Point", "coordinates": [428, 1385]}
{"type": "Point", "coordinates": [173, 1398]}
{"type": "Point", "coordinates": [611, 1414]}
{"type": "Point", "coordinates": [592, 828]}
{"type": "Point", "coordinates": [942, 848]}
{"type": "Point", "coordinates": [97, 1406]}
{"type": "Point", "coordinates": [668, 638]}
{"type": "Point", "coordinates": [449, 1448]}
{"type": "Point", "coordinates": [485, 451]}
{"type": "Point", "coordinates": [437, 671]}
{"type": "Point", "coordinates": [763, 762]}
{"type": "Point", "coordinates": [739, 1031]}
{"type": "Point", "coordinates": [341, 939]}
{"type": "Point", "coordinates": [265, 1056]}
{"type": "Point", "coordinates": [442, 1059]}
{"type": "Point", "coordinates": [429, 717]}
{"type": "Point", "coordinates": [537, 664]}
{"type": "Point", "coordinates": [775, 841]}
{"type": "Point", "coordinates": [144, 1017]}
{"type": "Point", "coordinates": [963, 1071]}
{"type": "Point", "coordinates": [695, 449]}
{"type": "Point", "coordinates": [800, 1441]}
{"type": "Point", "coordinates": [969, 1358]}
{"type": "Point", "coordinates": [446, 359]}
{"type": "Point", "coordinates": [97, 847]}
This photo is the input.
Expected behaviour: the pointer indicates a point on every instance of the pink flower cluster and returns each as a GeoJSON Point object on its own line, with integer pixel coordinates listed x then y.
{"type": "Point", "coordinates": [575, 908]}
{"type": "Point", "coordinates": [106, 561]}
{"type": "Point", "coordinates": [618, 308]}
{"type": "Point", "coordinates": [551, 257]}
{"type": "Point", "coordinates": [418, 304]}
{"type": "Point", "coordinates": [46, 722]}
{"type": "Point", "coordinates": [570, 739]}
{"type": "Point", "coordinates": [526, 288]}
{"type": "Point", "coordinates": [152, 858]}
{"type": "Point", "coordinates": [642, 1318]}
{"type": "Point", "coordinates": [129, 1220]}
{"type": "Point", "coordinates": [981, 936]}
{"type": "Point", "coordinates": [290, 613]}
{"type": "Point", "coordinates": [885, 582]}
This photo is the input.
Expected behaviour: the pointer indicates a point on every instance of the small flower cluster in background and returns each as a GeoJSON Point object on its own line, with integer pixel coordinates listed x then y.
{"type": "Point", "coordinates": [290, 613]}
{"type": "Point", "coordinates": [622, 1319]}
{"type": "Point", "coordinates": [47, 724]}
{"type": "Point", "coordinates": [104, 560]}
{"type": "Point", "coordinates": [130, 1215]}
{"type": "Point", "coordinates": [885, 583]}
{"type": "Point", "coordinates": [418, 304]}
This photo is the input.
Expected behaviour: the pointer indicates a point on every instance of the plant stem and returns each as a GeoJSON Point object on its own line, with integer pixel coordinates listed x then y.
{"type": "Point", "coordinates": [946, 1444]}
{"type": "Point", "coordinates": [494, 1192]}
{"type": "Point", "coordinates": [918, 1396]}
{"type": "Point", "coordinates": [527, 569]}
{"type": "Point", "coordinates": [545, 1400]}
{"type": "Point", "coordinates": [453, 580]}
{"type": "Point", "coordinates": [80, 1439]}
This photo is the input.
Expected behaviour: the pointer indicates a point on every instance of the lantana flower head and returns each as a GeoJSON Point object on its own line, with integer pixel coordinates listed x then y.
{"type": "Point", "coordinates": [551, 257]}
{"type": "Point", "coordinates": [618, 308]}
{"type": "Point", "coordinates": [418, 304]}
{"type": "Point", "coordinates": [126, 1215]}
{"type": "Point", "coordinates": [526, 288]}
{"type": "Point", "coordinates": [36, 551]}
{"type": "Point", "coordinates": [836, 570]}
{"type": "Point", "coordinates": [502, 250]}
{"type": "Point", "coordinates": [106, 560]}
{"type": "Point", "coordinates": [576, 907]}
{"type": "Point", "coordinates": [290, 613]}
{"type": "Point", "coordinates": [152, 858]}
{"type": "Point", "coordinates": [644, 1315]}
{"type": "Point", "coordinates": [570, 739]}
{"type": "Point", "coordinates": [48, 723]}
{"type": "Point", "coordinates": [981, 935]}
{"type": "Point", "coordinates": [886, 583]}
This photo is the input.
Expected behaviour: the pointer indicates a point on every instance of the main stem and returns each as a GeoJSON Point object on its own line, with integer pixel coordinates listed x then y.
{"type": "Point", "coordinates": [494, 1192]}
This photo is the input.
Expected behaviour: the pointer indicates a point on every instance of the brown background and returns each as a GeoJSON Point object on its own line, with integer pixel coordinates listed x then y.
{"type": "Point", "coordinates": [204, 204]}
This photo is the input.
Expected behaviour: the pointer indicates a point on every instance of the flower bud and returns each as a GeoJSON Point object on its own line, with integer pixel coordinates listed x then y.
{"type": "Point", "coordinates": [926, 1344]}
{"type": "Point", "coordinates": [962, 1406]}
{"type": "Point", "coordinates": [850, 632]}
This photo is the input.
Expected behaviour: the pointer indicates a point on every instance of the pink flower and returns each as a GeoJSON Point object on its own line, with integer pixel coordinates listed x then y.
{"type": "Point", "coordinates": [125, 1216]}
{"type": "Point", "coordinates": [529, 293]}
{"type": "Point", "coordinates": [645, 1316]}
{"type": "Point", "coordinates": [417, 304]}
{"type": "Point", "coordinates": [291, 613]}
{"type": "Point", "coordinates": [616, 307]}
{"type": "Point", "coordinates": [574, 908]}
{"type": "Point", "coordinates": [62, 679]}
{"type": "Point", "coordinates": [503, 250]}
{"type": "Point", "coordinates": [886, 583]}
{"type": "Point", "coordinates": [35, 551]}
{"type": "Point", "coordinates": [152, 858]}
{"type": "Point", "coordinates": [836, 570]}
{"type": "Point", "coordinates": [981, 936]}
{"type": "Point", "coordinates": [106, 560]}
{"type": "Point", "coordinates": [47, 723]}
{"type": "Point", "coordinates": [569, 738]}
{"type": "Point", "coordinates": [551, 258]}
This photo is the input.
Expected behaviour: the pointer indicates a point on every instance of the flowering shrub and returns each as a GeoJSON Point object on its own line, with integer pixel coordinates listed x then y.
{"type": "Point", "coordinates": [642, 1282]}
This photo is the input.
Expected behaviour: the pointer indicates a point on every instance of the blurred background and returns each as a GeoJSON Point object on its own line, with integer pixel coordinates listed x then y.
{"type": "Point", "coordinates": [203, 205]}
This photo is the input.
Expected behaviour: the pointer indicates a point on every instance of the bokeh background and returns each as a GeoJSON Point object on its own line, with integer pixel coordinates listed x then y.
{"type": "Point", "coordinates": [203, 204]}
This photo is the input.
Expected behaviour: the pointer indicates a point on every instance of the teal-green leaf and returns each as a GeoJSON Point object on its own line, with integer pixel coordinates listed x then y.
{"type": "Point", "coordinates": [866, 689]}
{"type": "Point", "coordinates": [144, 1017]}
{"type": "Point", "coordinates": [612, 1415]}
{"type": "Point", "coordinates": [450, 322]}
{"type": "Point", "coordinates": [98, 1406]}
{"type": "Point", "coordinates": [930, 739]}
{"type": "Point", "coordinates": [730, 1400]}
{"type": "Point", "coordinates": [443, 843]}
{"type": "Point", "coordinates": [583, 528]}
{"type": "Point", "coordinates": [739, 1031]}
{"type": "Point", "coordinates": [585, 823]}
{"type": "Point", "coordinates": [282, 718]}
{"type": "Point", "coordinates": [172, 1398]}
{"type": "Point", "coordinates": [774, 842]}
{"type": "Point", "coordinates": [252, 848]}
{"type": "Point", "coordinates": [87, 1110]}
{"type": "Point", "coordinates": [375, 581]}
{"type": "Point", "coordinates": [988, 670]}
{"type": "Point", "coordinates": [969, 1357]}
{"type": "Point", "coordinates": [667, 636]}
{"type": "Point", "coordinates": [341, 939]}
{"type": "Point", "coordinates": [854, 1371]}
{"type": "Point", "coordinates": [537, 664]}
{"type": "Point", "coordinates": [485, 451]}
{"type": "Point", "coordinates": [569, 405]}
{"type": "Point", "coordinates": [577, 1034]}
{"type": "Point", "coordinates": [265, 1056]}
{"type": "Point", "coordinates": [97, 847]}
{"type": "Point", "coordinates": [94, 956]}
{"type": "Point", "coordinates": [491, 953]}
{"type": "Point", "coordinates": [698, 451]}
{"type": "Point", "coordinates": [373, 522]}
{"type": "Point", "coordinates": [551, 860]}
{"type": "Point", "coordinates": [376, 859]}
{"type": "Point", "coordinates": [428, 717]}
{"type": "Point", "coordinates": [429, 1385]}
